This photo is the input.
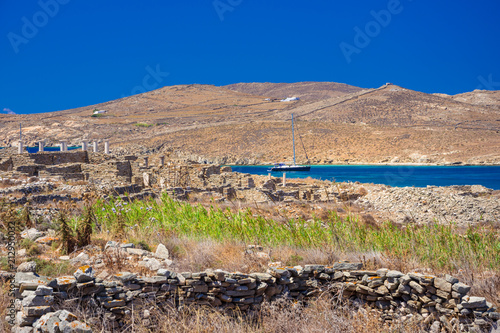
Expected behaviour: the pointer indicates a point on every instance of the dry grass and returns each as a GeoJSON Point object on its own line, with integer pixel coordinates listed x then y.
{"type": "Point", "coordinates": [326, 314]}
{"type": "Point", "coordinates": [4, 303]}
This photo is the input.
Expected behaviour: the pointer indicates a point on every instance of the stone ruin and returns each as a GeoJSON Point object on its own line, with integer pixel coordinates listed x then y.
{"type": "Point", "coordinates": [432, 302]}
{"type": "Point", "coordinates": [133, 177]}
{"type": "Point", "coordinates": [66, 176]}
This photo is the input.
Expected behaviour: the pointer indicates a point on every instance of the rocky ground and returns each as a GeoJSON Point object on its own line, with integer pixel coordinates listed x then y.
{"type": "Point", "coordinates": [463, 205]}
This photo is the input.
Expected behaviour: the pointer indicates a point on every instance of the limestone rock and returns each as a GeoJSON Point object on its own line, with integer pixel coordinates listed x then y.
{"type": "Point", "coordinates": [471, 302]}
{"type": "Point", "coordinates": [150, 263]}
{"type": "Point", "coordinates": [442, 284]}
{"type": "Point", "coordinates": [347, 266]}
{"type": "Point", "coordinates": [450, 279]}
{"type": "Point", "coordinates": [84, 274]}
{"type": "Point", "coordinates": [66, 282]}
{"type": "Point", "coordinates": [43, 291]}
{"type": "Point", "coordinates": [461, 288]}
{"type": "Point", "coordinates": [394, 274]}
{"type": "Point", "coordinates": [162, 252]}
{"type": "Point", "coordinates": [111, 244]}
{"type": "Point", "coordinates": [29, 266]}
{"type": "Point", "coordinates": [125, 276]}
{"type": "Point", "coordinates": [34, 300]}
{"type": "Point", "coordinates": [80, 259]}
{"type": "Point", "coordinates": [31, 234]}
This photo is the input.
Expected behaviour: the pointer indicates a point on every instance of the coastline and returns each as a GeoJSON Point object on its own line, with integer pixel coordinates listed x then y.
{"type": "Point", "coordinates": [455, 164]}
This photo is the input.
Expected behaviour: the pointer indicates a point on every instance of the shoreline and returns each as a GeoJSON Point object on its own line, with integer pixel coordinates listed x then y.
{"type": "Point", "coordinates": [379, 164]}
{"type": "Point", "coordinates": [397, 176]}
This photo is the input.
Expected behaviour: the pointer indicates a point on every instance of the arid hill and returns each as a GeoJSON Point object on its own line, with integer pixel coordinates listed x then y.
{"type": "Point", "coordinates": [336, 123]}
{"type": "Point", "coordinates": [307, 91]}
{"type": "Point", "coordinates": [479, 97]}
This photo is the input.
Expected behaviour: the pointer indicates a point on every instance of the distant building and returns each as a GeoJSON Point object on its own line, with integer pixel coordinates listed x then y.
{"type": "Point", "coordinates": [290, 99]}
{"type": "Point", "coordinates": [100, 111]}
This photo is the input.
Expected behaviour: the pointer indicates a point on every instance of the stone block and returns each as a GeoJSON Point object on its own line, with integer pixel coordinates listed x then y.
{"type": "Point", "coordinates": [461, 288]}
{"type": "Point", "coordinates": [42, 290]}
{"type": "Point", "coordinates": [125, 276]}
{"type": "Point", "coordinates": [34, 300]}
{"type": "Point", "coordinates": [442, 284]}
{"type": "Point", "coordinates": [471, 302]}
{"type": "Point", "coordinates": [84, 274]}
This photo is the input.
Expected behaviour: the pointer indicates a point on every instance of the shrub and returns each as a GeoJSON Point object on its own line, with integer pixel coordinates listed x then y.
{"type": "Point", "coordinates": [84, 231]}
{"type": "Point", "coordinates": [146, 125]}
{"type": "Point", "coordinates": [67, 238]}
{"type": "Point", "coordinates": [51, 268]}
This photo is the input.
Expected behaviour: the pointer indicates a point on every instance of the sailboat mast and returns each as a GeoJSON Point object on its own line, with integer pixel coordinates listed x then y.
{"type": "Point", "coordinates": [293, 140]}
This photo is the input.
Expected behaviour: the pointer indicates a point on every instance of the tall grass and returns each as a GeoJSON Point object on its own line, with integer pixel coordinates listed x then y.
{"type": "Point", "coordinates": [438, 246]}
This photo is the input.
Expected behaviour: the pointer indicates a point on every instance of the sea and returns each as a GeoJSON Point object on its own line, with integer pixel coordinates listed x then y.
{"type": "Point", "coordinates": [398, 176]}
{"type": "Point", "coordinates": [34, 150]}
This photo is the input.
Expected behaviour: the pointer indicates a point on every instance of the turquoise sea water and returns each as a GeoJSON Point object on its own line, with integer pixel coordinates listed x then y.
{"type": "Point", "coordinates": [400, 176]}
{"type": "Point", "coordinates": [34, 150]}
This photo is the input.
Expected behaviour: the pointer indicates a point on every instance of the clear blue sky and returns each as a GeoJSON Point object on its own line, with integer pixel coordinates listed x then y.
{"type": "Point", "coordinates": [61, 54]}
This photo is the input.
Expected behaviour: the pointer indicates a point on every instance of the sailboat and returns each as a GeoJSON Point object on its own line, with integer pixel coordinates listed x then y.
{"type": "Point", "coordinates": [294, 167]}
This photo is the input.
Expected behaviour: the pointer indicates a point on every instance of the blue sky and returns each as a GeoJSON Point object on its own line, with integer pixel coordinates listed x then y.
{"type": "Point", "coordinates": [61, 54]}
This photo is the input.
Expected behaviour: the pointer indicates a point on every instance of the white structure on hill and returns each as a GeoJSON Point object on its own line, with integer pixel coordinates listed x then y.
{"type": "Point", "coordinates": [290, 99]}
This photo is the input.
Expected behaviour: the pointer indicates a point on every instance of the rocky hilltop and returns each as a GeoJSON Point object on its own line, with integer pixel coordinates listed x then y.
{"type": "Point", "coordinates": [248, 123]}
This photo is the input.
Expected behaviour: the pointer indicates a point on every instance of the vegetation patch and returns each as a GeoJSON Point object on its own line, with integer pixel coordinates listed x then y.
{"type": "Point", "coordinates": [52, 268]}
{"type": "Point", "coordinates": [146, 125]}
{"type": "Point", "coordinates": [438, 246]}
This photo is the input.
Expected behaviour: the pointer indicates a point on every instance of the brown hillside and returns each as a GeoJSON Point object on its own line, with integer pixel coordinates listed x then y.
{"type": "Point", "coordinates": [387, 124]}
{"type": "Point", "coordinates": [307, 91]}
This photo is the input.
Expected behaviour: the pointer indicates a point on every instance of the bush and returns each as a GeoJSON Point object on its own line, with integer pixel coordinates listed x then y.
{"type": "Point", "coordinates": [146, 125]}
{"type": "Point", "coordinates": [51, 268]}
{"type": "Point", "coordinates": [30, 246]}
{"type": "Point", "coordinates": [67, 238]}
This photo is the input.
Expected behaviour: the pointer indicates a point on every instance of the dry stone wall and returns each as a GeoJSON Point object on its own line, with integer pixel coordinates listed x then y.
{"type": "Point", "coordinates": [6, 164]}
{"type": "Point", "coordinates": [430, 300]}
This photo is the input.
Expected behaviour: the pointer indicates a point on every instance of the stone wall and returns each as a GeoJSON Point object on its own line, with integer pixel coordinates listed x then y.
{"type": "Point", "coordinates": [6, 164]}
{"type": "Point", "coordinates": [53, 158]}
{"type": "Point", "coordinates": [431, 300]}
